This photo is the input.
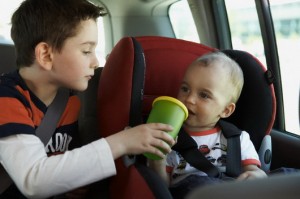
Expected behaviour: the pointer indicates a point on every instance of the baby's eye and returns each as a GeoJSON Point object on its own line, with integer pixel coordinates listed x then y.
{"type": "Point", "coordinates": [184, 89]}
{"type": "Point", "coordinates": [203, 95]}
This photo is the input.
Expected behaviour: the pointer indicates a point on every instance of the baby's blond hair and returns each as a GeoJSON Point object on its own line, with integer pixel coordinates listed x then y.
{"type": "Point", "coordinates": [235, 73]}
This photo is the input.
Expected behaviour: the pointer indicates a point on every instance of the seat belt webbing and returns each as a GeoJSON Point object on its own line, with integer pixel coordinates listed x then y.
{"type": "Point", "coordinates": [138, 81]}
{"type": "Point", "coordinates": [188, 148]}
{"type": "Point", "coordinates": [233, 163]}
{"type": "Point", "coordinates": [48, 125]}
{"type": "Point", "coordinates": [232, 134]}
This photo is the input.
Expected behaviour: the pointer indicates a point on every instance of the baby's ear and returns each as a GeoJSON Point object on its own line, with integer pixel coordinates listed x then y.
{"type": "Point", "coordinates": [43, 55]}
{"type": "Point", "coordinates": [229, 109]}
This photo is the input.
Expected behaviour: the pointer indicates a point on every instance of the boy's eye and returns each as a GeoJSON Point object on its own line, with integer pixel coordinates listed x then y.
{"type": "Point", "coordinates": [87, 52]}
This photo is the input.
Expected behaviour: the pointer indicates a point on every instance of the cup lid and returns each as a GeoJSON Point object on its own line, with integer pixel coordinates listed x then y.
{"type": "Point", "coordinates": [174, 100]}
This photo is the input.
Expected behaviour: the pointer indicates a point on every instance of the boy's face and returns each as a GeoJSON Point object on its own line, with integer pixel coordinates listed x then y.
{"type": "Point", "coordinates": [206, 92]}
{"type": "Point", "coordinates": [74, 65]}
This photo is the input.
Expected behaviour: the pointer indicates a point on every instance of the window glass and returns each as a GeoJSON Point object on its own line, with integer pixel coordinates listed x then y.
{"type": "Point", "coordinates": [100, 49]}
{"type": "Point", "coordinates": [6, 10]}
{"type": "Point", "coordinates": [246, 35]}
{"type": "Point", "coordinates": [8, 7]}
{"type": "Point", "coordinates": [244, 27]}
{"type": "Point", "coordinates": [183, 22]}
{"type": "Point", "coordinates": [286, 18]}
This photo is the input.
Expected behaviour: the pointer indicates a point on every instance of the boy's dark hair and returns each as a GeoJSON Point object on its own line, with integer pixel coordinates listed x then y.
{"type": "Point", "coordinates": [50, 21]}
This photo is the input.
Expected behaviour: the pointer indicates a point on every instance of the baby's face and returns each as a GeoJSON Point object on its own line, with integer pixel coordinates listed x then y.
{"type": "Point", "coordinates": [206, 92]}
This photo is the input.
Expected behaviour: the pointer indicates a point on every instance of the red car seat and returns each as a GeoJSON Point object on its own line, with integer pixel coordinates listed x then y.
{"type": "Point", "coordinates": [142, 68]}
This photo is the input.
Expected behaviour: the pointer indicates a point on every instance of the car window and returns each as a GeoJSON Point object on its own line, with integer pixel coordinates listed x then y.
{"type": "Point", "coordinates": [244, 27]}
{"type": "Point", "coordinates": [246, 35]}
{"type": "Point", "coordinates": [182, 21]}
{"type": "Point", "coordinates": [8, 7]}
{"type": "Point", "coordinates": [286, 18]}
{"type": "Point", "coordinates": [6, 10]}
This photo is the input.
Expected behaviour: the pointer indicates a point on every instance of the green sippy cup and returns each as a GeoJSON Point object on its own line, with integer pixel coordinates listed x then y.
{"type": "Point", "coordinates": [167, 110]}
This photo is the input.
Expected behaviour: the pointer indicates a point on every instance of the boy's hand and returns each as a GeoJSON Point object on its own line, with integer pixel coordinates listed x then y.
{"type": "Point", "coordinates": [141, 139]}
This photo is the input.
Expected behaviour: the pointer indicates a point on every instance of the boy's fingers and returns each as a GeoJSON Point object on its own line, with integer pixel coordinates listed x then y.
{"type": "Point", "coordinates": [127, 127]}
{"type": "Point", "coordinates": [161, 126]}
{"type": "Point", "coordinates": [167, 138]}
{"type": "Point", "coordinates": [176, 139]}
{"type": "Point", "coordinates": [158, 152]}
{"type": "Point", "coordinates": [163, 145]}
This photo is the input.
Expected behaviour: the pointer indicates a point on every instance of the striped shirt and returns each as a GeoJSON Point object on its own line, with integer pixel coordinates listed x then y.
{"type": "Point", "coordinates": [21, 112]}
{"type": "Point", "coordinates": [40, 171]}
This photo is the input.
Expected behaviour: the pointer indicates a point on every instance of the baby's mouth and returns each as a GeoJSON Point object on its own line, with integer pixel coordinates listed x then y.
{"type": "Point", "coordinates": [191, 112]}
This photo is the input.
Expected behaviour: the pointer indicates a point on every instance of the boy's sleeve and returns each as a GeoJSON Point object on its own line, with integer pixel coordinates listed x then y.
{"type": "Point", "coordinates": [39, 176]}
{"type": "Point", "coordinates": [14, 117]}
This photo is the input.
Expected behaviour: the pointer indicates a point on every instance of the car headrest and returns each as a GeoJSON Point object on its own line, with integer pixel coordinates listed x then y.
{"type": "Point", "coordinates": [8, 58]}
{"type": "Point", "coordinates": [256, 107]}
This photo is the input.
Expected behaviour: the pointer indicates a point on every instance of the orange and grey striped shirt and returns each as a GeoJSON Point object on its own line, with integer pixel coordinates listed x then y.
{"type": "Point", "coordinates": [21, 112]}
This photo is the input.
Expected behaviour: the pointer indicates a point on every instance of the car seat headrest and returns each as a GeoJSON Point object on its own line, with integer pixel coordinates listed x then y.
{"type": "Point", "coordinates": [255, 109]}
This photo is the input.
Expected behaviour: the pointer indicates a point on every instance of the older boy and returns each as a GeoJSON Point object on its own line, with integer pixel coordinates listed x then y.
{"type": "Point", "coordinates": [55, 42]}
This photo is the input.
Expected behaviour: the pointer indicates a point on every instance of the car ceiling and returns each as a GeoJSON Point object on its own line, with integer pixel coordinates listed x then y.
{"type": "Point", "coordinates": [135, 7]}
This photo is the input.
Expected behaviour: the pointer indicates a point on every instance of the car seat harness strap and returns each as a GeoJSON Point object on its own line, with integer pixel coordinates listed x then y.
{"type": "Point", "coordinates": [188, 148]}
{"type": "Point", "coordinates": [138, 81]}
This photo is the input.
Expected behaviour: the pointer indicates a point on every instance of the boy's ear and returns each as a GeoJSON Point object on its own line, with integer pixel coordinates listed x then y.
{"type": "Point", "coordinates": [229, 109]}
{"type": "Point", "coordinates": [43, 55]}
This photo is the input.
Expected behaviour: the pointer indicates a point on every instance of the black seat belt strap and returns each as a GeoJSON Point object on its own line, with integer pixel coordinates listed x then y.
{"type": "Point", "coordinates": [137, 93]}
{"type": "Point", "coordinates": [44, 131]}
{"type": "Point", "coordinates": [188, 149]}
{"type": "Point", "coordinates": [138, 81]}
{"type": "Point", "coordinates": [233, 162]}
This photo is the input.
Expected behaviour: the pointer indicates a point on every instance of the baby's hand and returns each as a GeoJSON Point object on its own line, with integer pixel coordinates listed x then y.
{"type": "Point", "coordinates": [252, 172]}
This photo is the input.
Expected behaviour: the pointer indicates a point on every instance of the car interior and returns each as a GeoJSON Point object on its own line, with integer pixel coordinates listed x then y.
{"type": "Point", "coordinates": [135, 57]}
{"type": "Point", "coordinates": [144, 60]}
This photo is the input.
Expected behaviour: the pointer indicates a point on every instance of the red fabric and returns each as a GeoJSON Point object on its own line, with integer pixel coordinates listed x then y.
{"type": "Point", "coordinates": [163, 55]}
{"type": "Point", "coordinates": [130, 184]}
{"type": "Point", "coordinates": [115, 90]}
